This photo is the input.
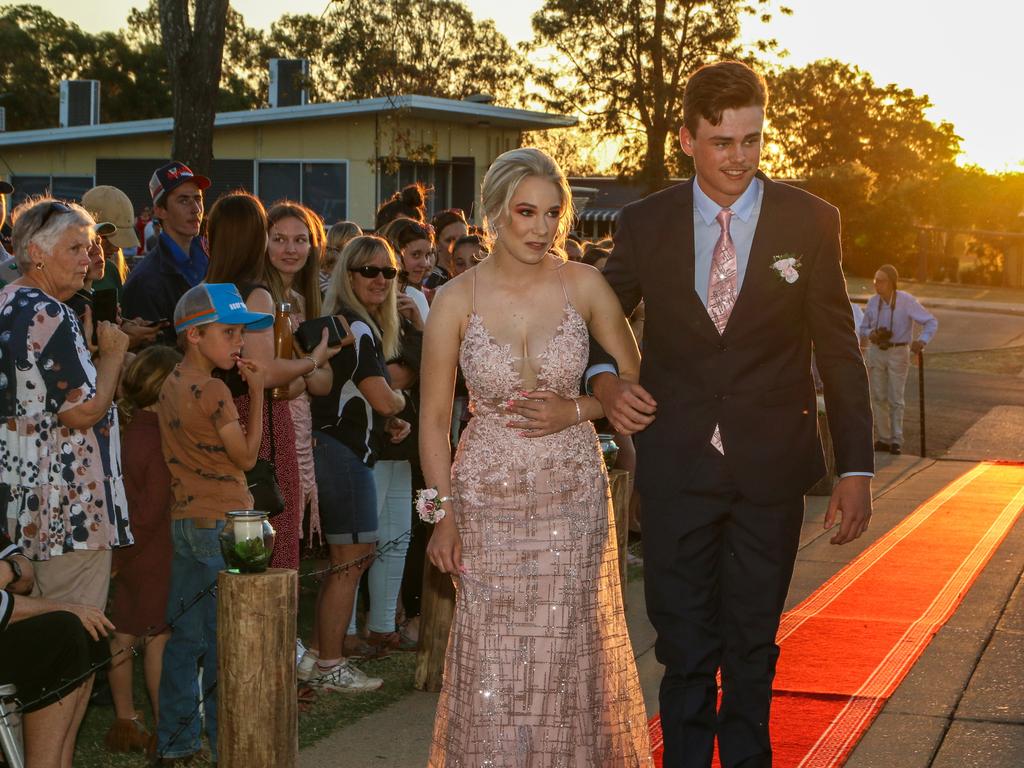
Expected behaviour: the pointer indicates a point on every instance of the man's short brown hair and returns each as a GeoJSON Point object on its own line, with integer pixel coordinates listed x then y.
{"type": "Point", "coordinates": [716, 87]}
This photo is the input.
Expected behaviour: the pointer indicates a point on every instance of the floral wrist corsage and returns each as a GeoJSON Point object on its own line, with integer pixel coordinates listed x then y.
{"type": "Point", "coordinates": [429, 505]}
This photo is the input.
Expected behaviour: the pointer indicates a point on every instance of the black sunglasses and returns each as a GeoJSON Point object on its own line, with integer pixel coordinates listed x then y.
{"type": "Point", "coordinates": [53, 208]}
{"type": "Point", "coordinates": [370, 272]}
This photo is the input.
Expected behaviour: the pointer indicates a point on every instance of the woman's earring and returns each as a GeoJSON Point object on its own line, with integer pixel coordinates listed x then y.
{"type": "Point", "coordinates": [39, 265]}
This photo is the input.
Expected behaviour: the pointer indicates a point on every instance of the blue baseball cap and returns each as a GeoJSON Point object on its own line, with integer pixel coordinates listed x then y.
{"type": "Point", "coordinates": [217, 303]}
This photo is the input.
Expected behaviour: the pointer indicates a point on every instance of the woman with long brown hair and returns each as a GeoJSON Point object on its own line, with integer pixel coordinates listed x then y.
{"type": "Point", "coordinates": [295, 246]}
{"type": "Point", "coordinates": [237, 228]}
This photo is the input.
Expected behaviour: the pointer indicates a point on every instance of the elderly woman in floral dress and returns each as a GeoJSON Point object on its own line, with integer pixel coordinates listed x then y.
{"type": "Point", "coordinates": [60, 464]}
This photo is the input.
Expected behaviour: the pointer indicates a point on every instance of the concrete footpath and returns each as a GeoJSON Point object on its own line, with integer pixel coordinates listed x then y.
{"type": "Point", "coordinates": [961, 705]}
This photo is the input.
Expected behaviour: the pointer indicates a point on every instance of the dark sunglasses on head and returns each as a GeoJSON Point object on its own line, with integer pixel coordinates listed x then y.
{"type": "Point", "coordinates": [54, 208]}
{"type": "Point", "coordinates": [370, 272]}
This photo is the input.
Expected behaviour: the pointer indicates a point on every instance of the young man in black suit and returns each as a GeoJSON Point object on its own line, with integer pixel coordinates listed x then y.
{"type": "Point", "coordinates": [741, 278]}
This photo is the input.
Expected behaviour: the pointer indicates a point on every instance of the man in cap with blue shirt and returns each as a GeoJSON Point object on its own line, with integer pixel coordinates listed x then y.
{"type": "Point", "coordinates": [179, 259]}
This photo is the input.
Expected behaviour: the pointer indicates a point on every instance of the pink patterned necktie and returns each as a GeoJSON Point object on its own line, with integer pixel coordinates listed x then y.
{"type": "Point", "coordinates": [722, 290]}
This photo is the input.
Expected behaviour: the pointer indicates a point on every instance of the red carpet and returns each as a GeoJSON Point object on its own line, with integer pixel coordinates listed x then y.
{"type": "Point", "coordinates": [846, 648]}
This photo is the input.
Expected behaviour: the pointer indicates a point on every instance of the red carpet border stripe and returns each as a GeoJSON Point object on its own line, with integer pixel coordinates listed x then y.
{"type": "Point", "coordinates": [841, 727]}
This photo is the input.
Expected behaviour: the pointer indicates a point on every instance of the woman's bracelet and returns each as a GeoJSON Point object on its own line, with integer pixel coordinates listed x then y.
{"type": "Point", "coordinates": [316, 366]}
{"type": "Point", "coordinates": [579, 413]}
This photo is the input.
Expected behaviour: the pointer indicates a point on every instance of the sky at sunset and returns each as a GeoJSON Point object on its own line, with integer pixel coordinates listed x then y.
{"type": "Point", "coordinates": [965, 56]}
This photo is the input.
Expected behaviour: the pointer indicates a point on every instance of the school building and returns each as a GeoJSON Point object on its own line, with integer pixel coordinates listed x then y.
{"type": "Point", "coordinates": [342, 159]}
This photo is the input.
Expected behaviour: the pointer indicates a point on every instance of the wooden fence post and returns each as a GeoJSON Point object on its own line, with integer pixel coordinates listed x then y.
{"type": "Point", "coordinates": [257, 703]}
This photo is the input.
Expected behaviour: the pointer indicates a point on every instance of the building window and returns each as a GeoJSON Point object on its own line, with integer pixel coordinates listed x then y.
{"type": "Point", "coordinates": [449, 184]}
{"type": "Point", "coordinates": [319, 186]}
{"type": "Point", "coordinates": [61, 187]}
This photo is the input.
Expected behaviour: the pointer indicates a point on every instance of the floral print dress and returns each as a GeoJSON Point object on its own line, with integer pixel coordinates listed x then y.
{"type": "Point", "coordinates": [62, 488]}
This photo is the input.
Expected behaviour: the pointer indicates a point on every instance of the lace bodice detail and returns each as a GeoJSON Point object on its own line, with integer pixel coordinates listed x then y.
{"type": "Point", "coordinates": [490, 371]}
{"type": "Point", "coordinates": [490, 450]}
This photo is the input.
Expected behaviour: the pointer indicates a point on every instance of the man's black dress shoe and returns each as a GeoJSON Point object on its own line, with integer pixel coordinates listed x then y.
{"type": "Point", "coordinates": [883, 447]}
{"type": "Point", "coordinates": [895, 449]}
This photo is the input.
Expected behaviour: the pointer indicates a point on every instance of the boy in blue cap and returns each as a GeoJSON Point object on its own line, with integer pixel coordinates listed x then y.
{"type": "Point", "coordinates": [207, 453]}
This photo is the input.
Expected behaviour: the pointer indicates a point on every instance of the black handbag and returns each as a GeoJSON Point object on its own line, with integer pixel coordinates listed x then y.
{"type": "Point", "coordinates": [262, 478]}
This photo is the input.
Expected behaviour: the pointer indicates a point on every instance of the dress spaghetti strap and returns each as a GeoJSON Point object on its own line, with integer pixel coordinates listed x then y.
{"type": "Point", "coordinates": [562, 283]}
{"type": "Point", "coordinates": [474, 293]}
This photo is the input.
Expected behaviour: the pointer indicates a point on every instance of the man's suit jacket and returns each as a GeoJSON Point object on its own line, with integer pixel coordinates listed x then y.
{"type": "Point", "coordinates": [754, 380]}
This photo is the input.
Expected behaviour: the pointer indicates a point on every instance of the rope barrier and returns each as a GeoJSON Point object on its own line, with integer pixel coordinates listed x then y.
{"type": "Point", "coordinates": [211, 589]}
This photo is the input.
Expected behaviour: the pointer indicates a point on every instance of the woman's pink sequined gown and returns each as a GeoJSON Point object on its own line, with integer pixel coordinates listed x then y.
{"type": "Point", "coordinates": [539, 671]}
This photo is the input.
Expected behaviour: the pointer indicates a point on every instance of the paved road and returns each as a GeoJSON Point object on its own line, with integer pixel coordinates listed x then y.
{"type": "Point", "coordinates": [964, 331]}
{"type": "Point", "coordinates": [954, 401]}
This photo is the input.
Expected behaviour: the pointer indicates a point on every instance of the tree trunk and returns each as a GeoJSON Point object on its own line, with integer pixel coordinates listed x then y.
{"type": "Point", "coordinates": [195, 52]}
{"type": "Point", "coordinates": [653, 172]}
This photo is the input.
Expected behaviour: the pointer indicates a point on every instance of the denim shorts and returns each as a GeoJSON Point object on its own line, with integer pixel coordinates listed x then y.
{"type": "Point", "coordinates": [347, 493]}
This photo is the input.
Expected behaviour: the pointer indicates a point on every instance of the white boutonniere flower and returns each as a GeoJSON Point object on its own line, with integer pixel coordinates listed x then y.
{"type": "Point", "coordinates": [787, 267]}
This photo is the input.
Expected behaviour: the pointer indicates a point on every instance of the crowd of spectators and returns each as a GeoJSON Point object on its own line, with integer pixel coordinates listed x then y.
{"type": "Point", "coordinates": [135, 351]}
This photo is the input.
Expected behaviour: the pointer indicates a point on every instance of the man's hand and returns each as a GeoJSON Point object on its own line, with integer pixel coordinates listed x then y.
{"type": "Point", "coordinates": [851, 499]}
{"type": "Point", "coordinates": [629, 407]}
{"type": "Point", "coordinates": [916, 346]}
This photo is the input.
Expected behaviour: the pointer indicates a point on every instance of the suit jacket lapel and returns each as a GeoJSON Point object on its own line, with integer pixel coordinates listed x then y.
{"type": "Point", "coordinates": [758, 262]}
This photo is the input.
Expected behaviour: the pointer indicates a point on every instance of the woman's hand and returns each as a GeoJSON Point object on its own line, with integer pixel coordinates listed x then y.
{"type": "Point", "coordinates": [543, 413]}
{"type": "Point", "coordinates": [407, 308]}
{"type": "Point", "coordinates": [110, 340]}
{"type": "Point", "coordinates": [321, 352]}
{"type": "Point", "coordinates": [95, 623]}
{"type": "Point", "coordinates": [402, 376]}
{"type": "Point", "coordinates": [141, 331]}
{"type": "Point", "coordinates": [445, 547]}
{"type": "Point", "coordinates": [397, 429]}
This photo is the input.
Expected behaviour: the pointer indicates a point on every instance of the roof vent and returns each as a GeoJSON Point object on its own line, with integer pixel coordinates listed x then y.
{"type": "Point", "coordinates": [480, 98]}
{"type": "Point", "coordinates": [79, 102]}
{"type": "Point", "coordinates": [289, 79]}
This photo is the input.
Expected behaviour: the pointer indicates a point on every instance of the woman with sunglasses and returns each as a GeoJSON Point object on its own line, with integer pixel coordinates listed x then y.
{"type": "Point", "coordinates": [351, 425]}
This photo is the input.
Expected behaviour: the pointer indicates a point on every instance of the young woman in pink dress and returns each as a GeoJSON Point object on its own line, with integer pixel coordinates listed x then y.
{"type": "Point", "coordinates": [539, 670]}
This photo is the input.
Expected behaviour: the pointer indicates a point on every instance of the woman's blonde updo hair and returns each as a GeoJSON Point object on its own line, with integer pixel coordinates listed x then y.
{"type": "Point", "coordinates": [503, 178]}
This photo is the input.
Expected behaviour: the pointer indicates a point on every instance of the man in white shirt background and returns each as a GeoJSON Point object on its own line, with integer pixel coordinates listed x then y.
{"type": "Point", "coordinates": [888, 329]}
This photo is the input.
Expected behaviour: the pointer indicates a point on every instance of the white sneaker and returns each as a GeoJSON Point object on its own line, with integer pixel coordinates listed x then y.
{"type": "Point", "coordinates": [307, 665]}
{"type": "Point", "coordinates": [346, 678]}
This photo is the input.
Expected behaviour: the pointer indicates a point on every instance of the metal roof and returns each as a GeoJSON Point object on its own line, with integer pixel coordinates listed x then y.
{"type": "Point", "coordinates": [599, 214]}
{"type": "Point", "coordinates": [419, 106]}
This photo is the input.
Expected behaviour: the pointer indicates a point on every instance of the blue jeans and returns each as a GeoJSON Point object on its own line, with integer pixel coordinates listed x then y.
{"type": "Point", "coordinates": [394, 500]}
{"type": "Point", "coordinates": [197, 560]}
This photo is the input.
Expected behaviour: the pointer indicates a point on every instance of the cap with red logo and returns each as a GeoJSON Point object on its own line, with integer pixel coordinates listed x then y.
{"type": "Point", "coordinates": [171, 176]}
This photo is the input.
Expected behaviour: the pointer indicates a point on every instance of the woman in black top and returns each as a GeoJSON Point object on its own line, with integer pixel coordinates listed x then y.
{"type": "Point", "coordinates": [350, 424]}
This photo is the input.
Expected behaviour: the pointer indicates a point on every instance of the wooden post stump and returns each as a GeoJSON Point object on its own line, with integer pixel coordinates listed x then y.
{"type": "Point", "coordinates": [437, 609]}
{"type": "Point", "coordinates": [618, 483]}
{"type": "Point", "coordinates": [257, 704]}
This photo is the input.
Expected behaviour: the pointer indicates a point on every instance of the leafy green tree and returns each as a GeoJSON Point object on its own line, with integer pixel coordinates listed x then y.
{"type": "Point", "coordinates": [829, 113]}
{"type": "Point", "coordinates": [623, 65]}
{"type": "Point", "coordinates": [369, 48]}
{"type": "Point", "coordinates": [40, 49]}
